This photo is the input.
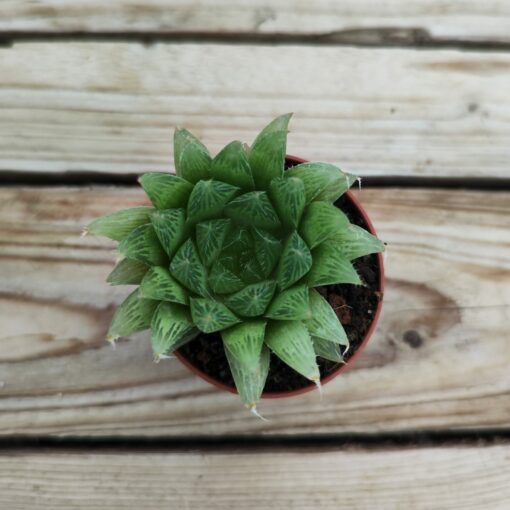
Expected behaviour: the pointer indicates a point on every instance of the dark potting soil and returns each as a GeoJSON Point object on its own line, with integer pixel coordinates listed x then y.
{"type": "Point", "coordinates": [355, 306]}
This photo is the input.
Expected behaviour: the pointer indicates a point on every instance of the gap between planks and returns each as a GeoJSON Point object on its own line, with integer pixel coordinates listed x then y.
{"type": "Point", "coordinates": [384, 38]}
{"type": "Point", "coordinates": [367, 441]}
{"type": "Point", "coordinates": [16, 178]}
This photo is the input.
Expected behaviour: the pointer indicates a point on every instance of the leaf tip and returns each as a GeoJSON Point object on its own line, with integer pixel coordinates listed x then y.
{"type": "Point", "coordinates": [160, 357]}
{"type": "Point", "coordinates": [255, 412]}
{"type": "Point", "coordinates": [317, 381]}
{"type": "Point", "coordinates": [111, 339]}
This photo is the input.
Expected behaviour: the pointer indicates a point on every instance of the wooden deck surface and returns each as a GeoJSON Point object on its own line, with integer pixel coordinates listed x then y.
{"type": "Point", "coordinates": [413, 96]}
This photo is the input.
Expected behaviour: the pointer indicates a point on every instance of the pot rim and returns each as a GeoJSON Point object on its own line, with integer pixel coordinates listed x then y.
{"type": "Point", "coordinates": [342, 368]}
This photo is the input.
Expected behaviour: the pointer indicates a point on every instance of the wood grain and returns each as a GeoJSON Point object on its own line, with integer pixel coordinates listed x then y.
{"type": "Point", "coordinates": [439, 359]}
{"type": "Point", "coordinates": [471, 478]}
{"type": "Point", "coordinates": [464, 19]}
{"type": "Point", "coordinates": [112, 107]}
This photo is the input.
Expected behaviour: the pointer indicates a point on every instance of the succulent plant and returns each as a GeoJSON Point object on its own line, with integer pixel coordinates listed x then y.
{"type": "Point", "coordinates": [235, 244]}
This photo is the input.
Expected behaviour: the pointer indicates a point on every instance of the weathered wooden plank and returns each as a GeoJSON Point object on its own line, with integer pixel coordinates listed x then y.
{"type": "Point", "coordinates": [464, 19]}
{"type": "Point", "coordinates": [470, 478]}
{"type": "Point", "coordinates": [439, 359]}
{"type": "Point", "coordinates": [112, 107]}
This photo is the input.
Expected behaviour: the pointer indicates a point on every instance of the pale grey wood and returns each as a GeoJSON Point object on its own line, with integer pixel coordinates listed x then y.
{"type": "Point", "coordinates": [438, 361]}
{"type": "Point", "coordinates": [70, 107]}
{"type": "Point", "coordinates": [463, 19]}
{"type": "Point", "coordinates": [471, 478]}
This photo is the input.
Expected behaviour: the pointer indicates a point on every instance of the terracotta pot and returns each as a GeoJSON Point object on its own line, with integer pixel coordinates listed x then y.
{"type": "Point", "coordinates": [291, 161]}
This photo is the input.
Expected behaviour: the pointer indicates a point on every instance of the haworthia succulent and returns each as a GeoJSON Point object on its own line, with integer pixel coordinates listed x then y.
{"type": "Point", "coordinates": [143, 244]}
{"type": "Point", "coordinates": [170, 227]}
{"type": "Point", "coordinates": [159, 284]}
{"type": "Point", "coordinates": [232, 244]}
{"type": "Point", "coordinates": [127, 272]}
{"type": "Point", "coordinates": [295, 261]}
{"type": "Point", "coordinates": [254, 209]}
{"type": "Point", "coordinates": [210, 237]}
{"type": "Point", "coordinates": [210, 315]}
{"type": "Point", "coordinates": [324, 322]}
{"type": "Point", "coordinates": [231, 166]}
{"type": "Point", "coordinates": [208, 199]}
{"type": "Point", "coordinates": [288, 197]}
{"type": "Point", "coordinates": [171, 327]}
{"type": "Point", "coordinates": [134, 314]}
{"type": "Point", "coordinates": [187, 268]}
{"type": "Point", "coordinates": [120, 224]}
{"type": "Point", "coordinates": [327, 350]}
{"type": "Point", "coordinates": [354, 242]}
{"type": "Point", "coordinates": [322, 221]}
{"type": "Point", "coordinates": [290, 304]}
{"type": "Point", "coordinates": [253, 299]}
{"type": "Point", "coordinates": [330, 266]}
{"type": "Point", "coordinates": [322, 181]}
{"type": "Point", "coordinates": [267, 154]}
{"type": "Point", "coordinates": [166, 191]}
{"type": "Point", "coordinates": [191, 157]}
{"type": "Point", "coordinates": [292, 343]}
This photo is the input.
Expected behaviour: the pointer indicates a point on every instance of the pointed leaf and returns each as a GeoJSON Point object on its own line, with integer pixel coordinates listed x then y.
{"type": "Point", "coordinates": [210, 315]}
{"type": "Point", "coordinates": [237, 249]}
{"type": "Point", "coordinates": [327, 350]}
{"type": "Point", "coordinates": [253, 299]}
{"type": "Point", "coordinates": [245, 342]}
{"type": "Point", "coordinates": [267, 154]}
{"type": "Point", "coordinates": [210, 237]}
{"type": "Point", "coordinates": [295, 262]}
{"type": "Point", "coordinates": [249, 382]}
{"type": "Point", "coordinates": [191, 157]}
{"type": "Point", "coordinates": [127, 272]}
{"type": "Point", "coordinates": [355, 242]}
{"type": "Point", "coordinates": [134, 314]}
{"type": "Point", "coordinates": [322, 181]}
{"type": "Point", "coordinates": [255, 209]}
{"type": "Point", "coordinates": [288, 197]}
{"type": "Point", "coordinates": [188, 269]}
{"type": "Point", "coordinates": [208, 199]}
{"type": "Point", "coordinates": [120, 224]}
{"type": "Point", "coordinates": [330, 266]}
{"type": "Point", "coordinates": [166, 191]}
{"type": "Point", "coordinates": [231, 166]}
{"type": "Point", "coordinates": [322, 221]}
{"type": "Point", "coordinates": [291, 342]}
{"type": "Point", "coordinates": [251, 272]}
{"type": "Point", "coordinates": [291, 304]}
{"type": "Point", "coordinates": [324, 322]}
{"type": "Point", "coordinates": [223, 280]}
{"type": "Point", "coordinates": [170, 227]}
{"type": "Point", "coordinates": [143, 245]}
{"type": "Point", "coordinates": [159, 284]}
{"type": "Point", "coordinates": [171, 327]}
{"type": "Point", "coordinates": [267, 250]}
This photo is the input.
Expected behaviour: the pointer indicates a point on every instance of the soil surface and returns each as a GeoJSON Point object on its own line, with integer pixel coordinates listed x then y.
{"type": "Point", "coordinates": [355, 306]}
